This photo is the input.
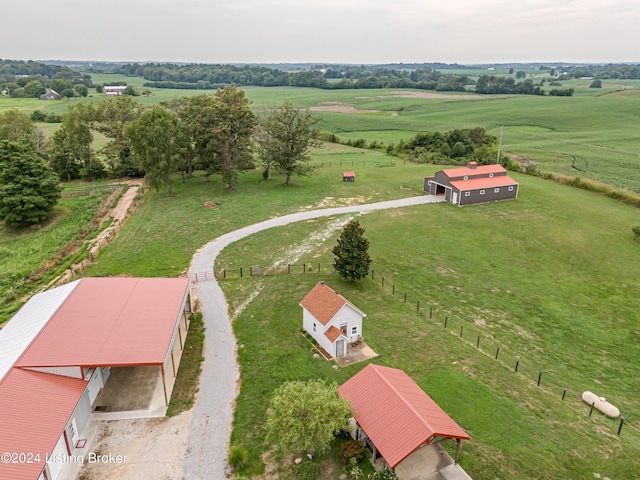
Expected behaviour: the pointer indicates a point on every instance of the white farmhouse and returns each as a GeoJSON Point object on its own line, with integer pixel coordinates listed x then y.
{"type": "Point", "coordinates": [332, 320]}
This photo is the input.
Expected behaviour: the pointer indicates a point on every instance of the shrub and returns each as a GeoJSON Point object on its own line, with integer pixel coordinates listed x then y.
{"type": "Point", "coordinates": [238, 456]}
{"type": "Point", "coordinates": [636, 231]}
{"type": "Point", "coordinates": [352, 449]}
{"type": "Point", "coordinates": [307, 470]}
{"type": "Point", "coordinates": [385, 474]}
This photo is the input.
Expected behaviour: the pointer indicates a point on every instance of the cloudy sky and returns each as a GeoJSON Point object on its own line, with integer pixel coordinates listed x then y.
{"type": "Point", "coordinates": [323, 31]}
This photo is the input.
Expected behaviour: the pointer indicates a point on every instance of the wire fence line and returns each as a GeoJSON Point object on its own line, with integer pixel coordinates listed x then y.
{"type": "Point", "coordinates": [466, 331]}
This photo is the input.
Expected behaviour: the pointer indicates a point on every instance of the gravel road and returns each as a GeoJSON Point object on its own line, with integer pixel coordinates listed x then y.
{"type": "Point", "coordinates": [210, 430]}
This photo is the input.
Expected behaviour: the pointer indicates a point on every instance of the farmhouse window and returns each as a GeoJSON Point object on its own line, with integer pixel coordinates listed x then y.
{"type": "Point", "coordinates": [354, 330]}
{"type": "Point", "coordinates": [511, 189]}
{"type": "Point", "coordinates": [466, 177]}
{"type": "Point", "coordinates": [496, 190]}
{"type": "Point", "coordinates": [314, 326]}
{"type": "Point", "coordinates": [481, 192]}
{"type": "Point", "coordinates": [490, 175]}
{"type": "Point", "coordinates": [466, 194]}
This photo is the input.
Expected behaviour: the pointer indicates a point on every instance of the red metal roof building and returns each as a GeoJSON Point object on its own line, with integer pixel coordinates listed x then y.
{"type": "Point", "coordinates": [472, 184]}
{"type": "Point", "coordinates": [396, 415]}
{"type": "Point", "coordinates": [66, 335]}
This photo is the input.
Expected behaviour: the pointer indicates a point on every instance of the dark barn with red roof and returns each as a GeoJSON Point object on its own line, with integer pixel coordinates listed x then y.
{"type": "Point", "coordinates": [472, 184]}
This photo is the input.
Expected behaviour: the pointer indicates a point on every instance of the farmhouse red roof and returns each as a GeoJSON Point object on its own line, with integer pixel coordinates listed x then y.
{"type": "Point", "coordinates": [483, 182]}
{"type": "Point", "coordinates": [49, 401]}
{"type": "Point", "coordinates": [479, 170]}
{"type": "Point", "coordinates": [323, 303]}
{"type": "Point", "coordinates": [348, 174]}
{"type": "Point", "coordinates": [395, 413]}
{"type": "Point", "coordinates": [333, 333]}
{"type": "Point", "coordinates": [102, 321]}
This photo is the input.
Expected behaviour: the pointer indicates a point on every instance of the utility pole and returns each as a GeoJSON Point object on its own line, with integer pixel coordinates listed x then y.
{"type": "Point", "coordinates": [499, 144]}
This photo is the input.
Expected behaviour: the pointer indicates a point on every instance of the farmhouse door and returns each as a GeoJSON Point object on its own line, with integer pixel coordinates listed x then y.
{"type": "Point", "coordinates": [341, 348]}
{"type": "Point", "coordinates": [454, 197]}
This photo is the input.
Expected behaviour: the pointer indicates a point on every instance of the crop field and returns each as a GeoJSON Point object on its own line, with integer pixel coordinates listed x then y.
{"type": "Point", "coordinates": [549, 279]}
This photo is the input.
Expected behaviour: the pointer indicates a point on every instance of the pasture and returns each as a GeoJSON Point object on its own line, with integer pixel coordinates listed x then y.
{"type": "Point", "coordinates": [549, 278]}
{"type": "Point", "coordinates": [591, 135]}
{"type": "Point", "coordinates": [528, 276]}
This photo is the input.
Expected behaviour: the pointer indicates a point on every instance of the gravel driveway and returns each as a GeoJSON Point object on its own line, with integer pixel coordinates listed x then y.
{"type": "Point", "coordinates": [210, 430]}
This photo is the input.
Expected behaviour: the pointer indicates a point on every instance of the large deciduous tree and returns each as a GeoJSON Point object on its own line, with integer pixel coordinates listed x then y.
{"type": "Point", "coordinates": [352, 258]}
{"type": "Point", "coordinates": [14, 125]}
{"type": "Point", "coordinates": [306, 416]}
{"type": "Point", "coordinates": [158, 141]}
{"type": "Point", "coordinates": [284, 137]}
{"type": "Point", "coordinates": [232, 130]}
{"type": "Point", "coordinates": [112, 118]}
{"type": "Point", "coordinates": [29, 188]}
{"type": "Point", "coordinates": [74, 141]}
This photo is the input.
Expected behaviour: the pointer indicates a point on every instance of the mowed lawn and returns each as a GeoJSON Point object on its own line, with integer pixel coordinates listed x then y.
{"type": "Point", "coordinates": [549, 278]}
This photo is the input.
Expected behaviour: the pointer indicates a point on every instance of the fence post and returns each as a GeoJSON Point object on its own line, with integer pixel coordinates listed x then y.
{"type": "Point", "coordinates": [593, 404]}
{"type": "Point", "coordinates": [288, 268]}
{"type": "Point", "coordinates": [517, 362]}
{"type": "Point", "coordinates": [418, 305]}
{"type": "Point", "coordinates": [393, 289]}
{"type": "Point", "coordinates": [497, 352]}
{"type": "Point", "coordinates": [304, 268]}
{"type": "Point", "coordinates": [224, 273]}
{"type": "Point", "coordinates": [318, 267]}
{"type": "Point", "coordinates": [430, 311]}
{"type": "Point", "coordinates": [621, 422]}
{"type": "Point", "coordinates": [461, 327]}
{"type": "Point", "coordinates": [539, 377]}
{"type": "Point", "coordinates": [383, 281]}
{"type": "Point", "coordinates": [240, 272]}
{"type": "Point", "coordinates": [445, 321]}
{"type": "Point", "coordinates": [405, 298]}
{"type": "Point", "coordinates": [478, 342]}
{"type": "Point", "coordinates": [373, 273]}
{"type": "Point", "coordinates": [564, 392]}
{"type": "Point", "coordinates": [250, 271]}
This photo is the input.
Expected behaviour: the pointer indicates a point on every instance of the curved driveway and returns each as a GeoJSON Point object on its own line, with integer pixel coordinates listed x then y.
{"type": "Point", "coordinates": [208, 443]}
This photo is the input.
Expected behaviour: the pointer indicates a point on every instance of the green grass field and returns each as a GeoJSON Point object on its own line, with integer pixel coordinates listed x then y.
{"type": "Point", "coordinates": [25, 252]}
{"type": "Point", "coordinates": [551, 277]}
{"type": "Point", "coordinates": [527, 276]}
{"type": "Point", "coordinates": [592, 134]}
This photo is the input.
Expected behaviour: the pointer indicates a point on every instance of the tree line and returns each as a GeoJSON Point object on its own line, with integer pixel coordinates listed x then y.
{"type": "Point", "coordinates": [217, 134]}
{"type": "Point", "coordinates": [30, 79]}
{"type": "Point", "coordinates": [202, 76]}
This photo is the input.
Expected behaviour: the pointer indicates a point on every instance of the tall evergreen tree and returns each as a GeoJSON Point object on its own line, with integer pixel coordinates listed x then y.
{"type": "Point", "coordinates": [352, 258]}
{"type": "Point", "coordinates": [29, 188]}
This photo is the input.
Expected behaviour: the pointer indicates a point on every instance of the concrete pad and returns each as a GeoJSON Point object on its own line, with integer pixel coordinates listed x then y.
{"type": "Point", "coordinates": [430, 462]}
{"type": "Point", "coordinates": [356, 352]}
{"type": "Point", "coordinates": [128, 388]}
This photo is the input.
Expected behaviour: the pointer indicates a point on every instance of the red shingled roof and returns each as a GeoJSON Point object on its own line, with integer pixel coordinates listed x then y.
{"type": "Point", "coordinates": [35, 409]}
{"type": "Point", "coordinates": [333, 333]}
{"type": "Point", "coordinates": [103, 321]}
{"type": "Point", "coordinates": [323, 303]}
{"type": "Point", "coordinates": [395, 413]}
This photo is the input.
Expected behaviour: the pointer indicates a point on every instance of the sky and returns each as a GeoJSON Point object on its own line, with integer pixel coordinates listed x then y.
{"type": "Point", "coordinates": [322, 31]}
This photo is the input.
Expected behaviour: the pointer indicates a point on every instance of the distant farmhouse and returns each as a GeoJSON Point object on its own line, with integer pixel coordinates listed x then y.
{"type": "Point", "coordinates": [50, 95]}
{"type": "Point", "coordinates": [114, 90]}
{"type": "Point", "coordinates": [332, 320]}
{"type": "Point", "coordinates": [472, 184]}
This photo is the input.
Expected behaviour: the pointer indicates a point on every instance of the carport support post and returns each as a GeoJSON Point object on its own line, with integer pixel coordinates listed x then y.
{"type": "Point", "coordinates": [164, 386]}
{"type": "Point", "coordinates": [457, 450]}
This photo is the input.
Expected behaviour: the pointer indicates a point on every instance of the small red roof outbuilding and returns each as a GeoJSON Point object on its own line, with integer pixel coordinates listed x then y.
{"type": "Point", "coordinates": [395, 413]}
